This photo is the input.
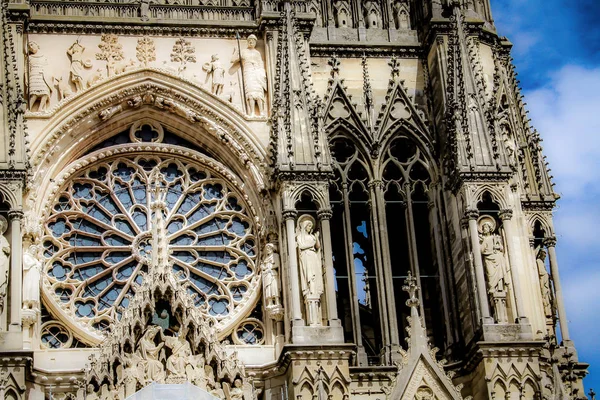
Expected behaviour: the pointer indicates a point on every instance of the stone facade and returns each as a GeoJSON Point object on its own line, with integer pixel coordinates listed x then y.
{"type": "Point", "coordinates": [273, 200]}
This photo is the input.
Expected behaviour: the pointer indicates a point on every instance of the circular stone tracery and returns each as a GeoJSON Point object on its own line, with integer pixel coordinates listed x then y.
{"type": "Point", "coordinates": [98, 241]}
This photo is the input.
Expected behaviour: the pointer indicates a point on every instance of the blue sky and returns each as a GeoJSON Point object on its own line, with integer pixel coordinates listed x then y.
{"type": "Point", "coordinates": [557, 54]}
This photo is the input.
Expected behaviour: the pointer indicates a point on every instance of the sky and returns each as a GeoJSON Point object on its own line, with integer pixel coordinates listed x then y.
{"type": "Point", "coordinates": [557, 55]}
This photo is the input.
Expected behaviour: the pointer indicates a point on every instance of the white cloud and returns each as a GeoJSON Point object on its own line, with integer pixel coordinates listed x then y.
{"type": "Point", "coordinates": [567, 114]}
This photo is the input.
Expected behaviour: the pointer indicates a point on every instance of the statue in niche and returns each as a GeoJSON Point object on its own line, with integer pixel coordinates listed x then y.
{"type": "Point", "coordinates": [255, 76]}
{"type": "Point", "coordinates": [401, 15]}
{"type": "Point", "coordinates": [494, 262]}
{"type": "Point", "coordinates": [544, 281]}
{"type": "Point", "coordinates": [371, 14]}
{"type": "Point", "coordinates": [311, 268]}
{"type": "Point", "coordinates": [216, 390]}
{"type": "Point", "coordinates": [151, 355]}
{"type": "Point", "coordinates": [32, 271]}
{"type": "Point", "coordinates": [342, 15]}
{"type": "Point", "coordinates": [270, 276]}
{"type": "Point", "coordinates": [39, 84]}
{"type": "Point", "coordinates": [180, 354]}
{"type": "Point", "coordinates": [196, 371]}
{"type": "Point", "coordinates": [78, 65]}
{"type": "Point", "coordinates": [216, 73]}
{"type": "Point", "coordinates": [509, 145]}
{"type": "Point", "coordinates": [4, 261]}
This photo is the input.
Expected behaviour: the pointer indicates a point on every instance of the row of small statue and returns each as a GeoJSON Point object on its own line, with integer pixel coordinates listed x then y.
{"type": "Point", "coordinates": [149, 364]}
{"type": "Point", "coordinates": [41, 84]}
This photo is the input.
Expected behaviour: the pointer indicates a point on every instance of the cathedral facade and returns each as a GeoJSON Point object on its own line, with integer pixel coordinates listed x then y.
{"type": "Point", "coordinates": [274, 200]}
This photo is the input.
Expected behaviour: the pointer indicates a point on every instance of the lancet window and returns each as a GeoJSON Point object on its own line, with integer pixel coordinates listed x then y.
{"type": "Point", "coordinates": [388, 221]}
{"type": "Point", "coordinates": [110, 220]}
{"type": "Point", "coordinates": [410, 209]}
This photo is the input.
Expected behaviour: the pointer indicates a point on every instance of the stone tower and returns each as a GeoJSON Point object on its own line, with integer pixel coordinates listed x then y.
{"type": "Point", "coordinates": [258, 199]}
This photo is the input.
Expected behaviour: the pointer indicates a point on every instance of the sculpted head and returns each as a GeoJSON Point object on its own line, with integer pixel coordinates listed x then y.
{"type": "Point", "coordinates": [33, 47]}
{"type": "Point", "coordinates": [252, 41]}
{"type": "Point", "coordinates": [486, 227]}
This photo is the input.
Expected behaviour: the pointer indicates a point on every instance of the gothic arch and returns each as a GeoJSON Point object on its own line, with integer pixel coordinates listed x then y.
{"type": "Point", "coordinates": [495, 193]}
{"type": "Point", "coordinates": [540, 218]}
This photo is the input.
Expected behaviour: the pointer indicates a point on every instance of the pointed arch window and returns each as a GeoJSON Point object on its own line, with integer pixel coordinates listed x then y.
{"type": "Point", "coordinates": [357, 292]}
{"type": "Point", "coordinates": [410, 223]}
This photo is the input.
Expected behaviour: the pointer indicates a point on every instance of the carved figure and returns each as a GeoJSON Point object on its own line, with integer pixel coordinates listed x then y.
{"type": "Point", "coordinates": [78, 64]}
{"type": "Point", "coordinates": [180, 354]}
{"type": "Point", "coordinates": [544, 282]}
{"type": "Point", "coordinates": [95, 77]}
{"type": "Point", "coordinates": [214, 70]}
{"type": "Point", "coordinates": [109, 112]}
{"type": "Point", "coordinates": [4, 261]}
{"type": "Point", "coordinates": [311, 268]}
{"type": "Point", "coordinates": [32, 270]}
{"type": "Point", "coordinates": [91, 393]}
{"type": "Point", "coordinates": [217, 391]}
{"type": "Point", "coordinates": [492, 252]}
{"type": "Point", "coordinates": [195, 371]}
{"type": "Point", "coordinates": [145, 9]}
{"type": "Point", "coordinates": [39, 83]}
{"type": "Point", "coordinates": [151, 355]}
{"type": "Point", "coordinates": [237, 393]}
{"type": "Point", "coordinates": [270, 276]}
{"type": "Point", "coordinates": [255, 76]}
{"type": "Point", "coordinates": [64, 90]}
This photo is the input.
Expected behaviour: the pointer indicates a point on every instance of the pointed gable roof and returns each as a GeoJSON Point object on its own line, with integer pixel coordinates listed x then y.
{"type": "Point", "coordinates": [420, 374]}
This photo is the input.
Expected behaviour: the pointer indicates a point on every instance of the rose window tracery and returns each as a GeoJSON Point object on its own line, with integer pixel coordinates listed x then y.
{"type": "Point", "coordinates": [115, 219]}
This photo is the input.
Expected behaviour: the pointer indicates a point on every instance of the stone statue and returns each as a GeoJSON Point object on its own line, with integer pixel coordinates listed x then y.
{"type": "Point", "coordinates": [151, 355]}
{"type": "Point", "coordinates": [32, 270]}
{"type": "Point", "coordinates": [180, 354]}
{"type": "Point", "coordinates": [4, 261]}
{"type": "Point", "coordinates": [214, 70]}
{"type": "Point", "coordinates": [544, 281]}
{"type": "Point", "coordinates": [78, 65]}
{"type": "Point", "coordinates": [270, 276]}
{"type": "Point", "coordinates": [492, 253]}
{"type": "Point", "coordinates": [255, 76]}
{"type": "Point", "coordinates": [311, 268]}
{"type": "Point", "coordinates": [39, 84]}
{"type": "Point", "coordinates": [196, 372]}
{"type": "Point", "coordinates": [217, 391]}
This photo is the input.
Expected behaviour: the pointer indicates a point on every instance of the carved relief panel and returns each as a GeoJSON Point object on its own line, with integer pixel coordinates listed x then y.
{"type": "Point", "coordinates": [79, 64]}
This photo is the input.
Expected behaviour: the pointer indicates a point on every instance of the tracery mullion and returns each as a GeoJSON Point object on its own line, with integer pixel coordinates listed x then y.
{"type": "Point", "coordinates": [203, 275]}
{"type": "Point", "coordinates": [198, 271]}
{"type": "Point", "coordinates": [108, 228]}
{"type": "Point", "coordinates": [388, 277]}
{"type": "Point", "coordinates": [110, 192]}
{"type": "Point", "coordinates": [384, 316]}
{"type": "Point", "coordinates": [412, 240]}
{"type": "Point", "coordinates": [350, 269]}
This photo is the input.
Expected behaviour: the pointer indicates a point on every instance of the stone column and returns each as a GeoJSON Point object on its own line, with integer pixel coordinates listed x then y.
{"type": "Point", "coordinates": [289, 216]}
{"type": "Point", "coordinates": [16, 269]}
{"type": "Point", "coordinates": [515, 265]}
{"type": "Point", "coordinates": [324, 216]}
{"type": "Point", "coordinates": [472, 215]}
{"type": "Point", "coordinates": [560, 304]}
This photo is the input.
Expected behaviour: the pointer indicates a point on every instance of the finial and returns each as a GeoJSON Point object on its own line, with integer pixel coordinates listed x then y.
{"type": "Point", "coordinates": [410, 286]}
{"type": "Point", "coordinates": [592, 394]}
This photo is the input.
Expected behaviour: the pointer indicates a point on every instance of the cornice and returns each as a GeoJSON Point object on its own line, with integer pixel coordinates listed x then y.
{"type": "Point", "coordinates": [368, 49]}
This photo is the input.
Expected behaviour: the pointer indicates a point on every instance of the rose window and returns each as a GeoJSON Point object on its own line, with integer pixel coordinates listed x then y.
{"type": "Point", "coordinates": [108, 220]}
